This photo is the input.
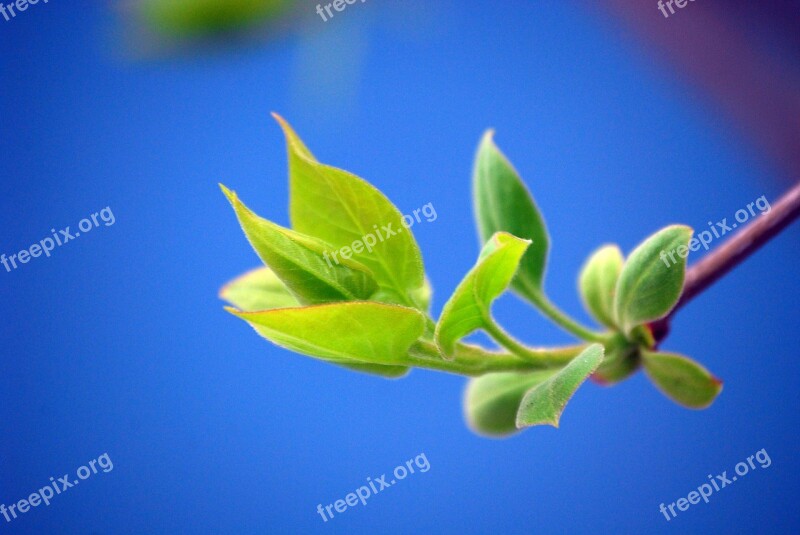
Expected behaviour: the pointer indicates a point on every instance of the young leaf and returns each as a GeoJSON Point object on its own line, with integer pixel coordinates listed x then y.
{"type": "Point", "coordinates": [491, 401]}
{"type": "Point", "coordinates": [469, 307]}
{"type": "Point", "coordinates": [681, 379]}
{"type": "Point", "coordinates": [351, 333]}
{"type": "Point", "coordinates": [545, 402]}
{"type": "Point", "coordinates": [503, 203]}
{"type": "Point", "coordinates": [348, 212]}
{"type": "Point", "coordinates": [259, 289]}
{"type": "Point", "coordinates": [598, 282]}
{"type": "Point", "coordinates": [302, 262]}
{"type": "Point", "coordinates": [649, 285]}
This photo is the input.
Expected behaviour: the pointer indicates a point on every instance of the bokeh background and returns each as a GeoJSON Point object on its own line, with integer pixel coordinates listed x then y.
{"type": "Point", "coordinates": [119, 344]}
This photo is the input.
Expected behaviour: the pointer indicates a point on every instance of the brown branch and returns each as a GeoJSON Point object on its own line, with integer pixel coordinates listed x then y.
{"type": "Point", "coordinates": [720, 261]}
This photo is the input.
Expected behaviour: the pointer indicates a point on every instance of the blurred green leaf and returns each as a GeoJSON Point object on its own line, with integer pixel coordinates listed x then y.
{"type": "Point", "coordinates": [681, 379]}
{"type": "Point", "coordinates": [469, 307]}
{"type": "Point", "coordinates": [649, 286]}
{"type": "Point", "coordinates": [344, 210]}
{"type": "Point", "coordinates": [204, 18]}
{"type": "Point", "coordinates": [302, 262]}
{"type": "Point", "coordinates": [259, 289]}
{"type": "Point", "coordinates": [504, 204]}
{"type": "Point", "coordinates": [598, 282]}
{"type": "Point", "coordinates": [544, 404]}
{"type": "Point", "coordinates": [344, 333]}
{"type": "Point", "coordinates": [491, 401]}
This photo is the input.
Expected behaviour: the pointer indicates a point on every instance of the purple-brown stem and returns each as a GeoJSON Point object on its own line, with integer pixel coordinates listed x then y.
{"type": "Point", "coordinates": [720, 261]}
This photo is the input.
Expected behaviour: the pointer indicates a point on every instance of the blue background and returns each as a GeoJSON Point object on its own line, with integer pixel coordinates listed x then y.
{"type": "Point", "coordinates": [119, 344]}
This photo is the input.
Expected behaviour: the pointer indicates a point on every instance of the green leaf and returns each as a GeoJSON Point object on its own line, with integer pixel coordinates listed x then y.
{"type": "Point", "coordinates": [469, 307]}
{"type": "Point", "coordinates": [491, 401]}
{"type": "Point", "coordinates": [303, 263]}
{"type": "Point", "coordinates": [352, 215]}
{"type": "Point", "coordinates": [503, 203]}
{"type": "Point", "coordinates": [681, 379]}
{"type": "Point", "coordinates": [344, 333]}
{"type": "Point", "coordinates": [545, 402]}
{"type": "Point", "coordinates": [650, 284]}
{"type": "Point", "coordinates": [598, 282]}
{"type": "Point", "coordinates": [259, 289]}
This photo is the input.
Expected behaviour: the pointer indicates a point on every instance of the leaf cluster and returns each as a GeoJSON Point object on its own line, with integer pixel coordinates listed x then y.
{"type": "Point", "coordinates": [368, 310]}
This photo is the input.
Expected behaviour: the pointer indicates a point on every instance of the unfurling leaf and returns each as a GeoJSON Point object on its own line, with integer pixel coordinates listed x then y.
{"type": "Point", "coordinates": [491, 401]}
{"type": "Point", "coordinates": [504, 204]}
{"type": "Point", "coordinates": [303, 262]}
{"type": "Point", "coordinates": [469, 307]}
{"type": "Point", "coordinates": [360, 332]}
{"type": "Point", "coordinates": [650, 284]}
{"type": "Point", "coordinates": [355, 218]}
{"type": "Point", "coordinates": [259, 289]}
{"type": "Point", "coordinates": [681, 379]}
{"type": "Point", "coordinates": [544, 404]}
{"type": "Point", "coordinates": [598, 282]}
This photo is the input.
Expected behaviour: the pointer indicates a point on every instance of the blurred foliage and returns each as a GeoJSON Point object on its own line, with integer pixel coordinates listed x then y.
{"type": "Point", "coordinates": [184, 19]}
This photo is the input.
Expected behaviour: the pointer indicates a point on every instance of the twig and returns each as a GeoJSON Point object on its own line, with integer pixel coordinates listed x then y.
{"type": "Point", "coordinates": [720, 261]}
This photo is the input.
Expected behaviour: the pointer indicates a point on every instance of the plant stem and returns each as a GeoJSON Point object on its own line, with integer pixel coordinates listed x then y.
{"type": "Point", "coordinates": [562, 320]}
{"type": "Point", "coordinates": [723, 259]}
{"type": "Point", "coordinates": [473, 361]}
{"type": "Point", "coordinates": [543, 356]}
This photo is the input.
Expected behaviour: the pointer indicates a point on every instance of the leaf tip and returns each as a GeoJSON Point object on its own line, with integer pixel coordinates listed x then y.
{"type": "Point", "coordinates": [280, 120]}
{"type": "Point", "coordinates": [488, 137]}
{"type": "Point", "coordinates": [229, 194]}
{"type": "Point", "coordinates": [224, 291]}
{"type": "Point", "coordinates": [224, 189]}
{"type": "Point", "coordinates": [685, 229]}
